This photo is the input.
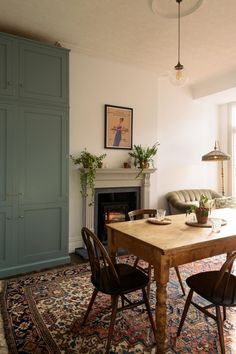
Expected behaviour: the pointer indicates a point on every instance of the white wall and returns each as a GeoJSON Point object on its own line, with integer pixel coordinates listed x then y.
{"type": "Point", "coordinates": [185, 128]}
{"type": "Point", "coordinates": [94, 83]}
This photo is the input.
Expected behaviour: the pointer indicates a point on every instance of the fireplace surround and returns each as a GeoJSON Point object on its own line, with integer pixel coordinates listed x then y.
{"type": "Point", "coordinates": [119, 180]}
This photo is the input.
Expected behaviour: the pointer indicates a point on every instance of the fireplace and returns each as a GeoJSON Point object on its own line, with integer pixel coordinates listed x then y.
{"type": "Point", "coordinates": [122, 191]}
{"type": "Point", "coordinates": [113, 205]}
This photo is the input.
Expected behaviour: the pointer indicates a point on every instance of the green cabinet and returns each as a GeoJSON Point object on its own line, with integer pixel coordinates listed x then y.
{"type": "Point", "coordinates": [33, 70]}
{"type": "Point", "coordinates": [43, 73]}
{"type": "Point", "coordinates": [7, 66]}
{"type": "Point", "coordinates": [7, 192]}
{"type": "Point", "coordinates": [33, 156]}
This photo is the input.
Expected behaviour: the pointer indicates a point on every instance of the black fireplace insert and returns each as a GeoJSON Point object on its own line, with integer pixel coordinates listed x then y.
{"type": "Point", "coordinates": [113, 205]}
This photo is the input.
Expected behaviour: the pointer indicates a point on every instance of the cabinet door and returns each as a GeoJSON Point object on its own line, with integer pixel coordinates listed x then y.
{"type": "Point", "coordinates": [8, 195]}
{"type": "Point", "coordinates": [7, 66]}
{"type": "Point", "coordinates": [43, 184]}
{"type": "Point", "coordinates": [43, 73]}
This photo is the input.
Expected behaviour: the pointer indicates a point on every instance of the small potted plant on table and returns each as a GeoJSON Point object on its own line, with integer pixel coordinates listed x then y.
{"type": "Point", "coordinates": [202, 211]}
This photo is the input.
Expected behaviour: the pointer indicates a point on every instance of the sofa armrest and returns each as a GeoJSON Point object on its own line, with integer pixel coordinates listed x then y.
{"type": "Point", "coordinates": [177, 207]}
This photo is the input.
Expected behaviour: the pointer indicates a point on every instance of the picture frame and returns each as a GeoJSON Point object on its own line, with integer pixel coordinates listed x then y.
{"type": "Point", "coordinates": [118, 127]}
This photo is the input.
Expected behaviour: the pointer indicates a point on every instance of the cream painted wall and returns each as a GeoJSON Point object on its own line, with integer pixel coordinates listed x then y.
{"type": "Point", "coordinates": [186, 128]}
{"type": "Point", "coordinates": [94, 83]}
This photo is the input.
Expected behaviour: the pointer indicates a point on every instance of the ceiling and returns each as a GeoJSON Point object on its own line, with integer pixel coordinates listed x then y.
{"type": "Point", "coordinates": [129, 31]}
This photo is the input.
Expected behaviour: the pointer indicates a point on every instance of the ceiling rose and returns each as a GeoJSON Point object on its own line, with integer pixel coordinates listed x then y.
{"type": "Point", "coordinates": [167, 8]}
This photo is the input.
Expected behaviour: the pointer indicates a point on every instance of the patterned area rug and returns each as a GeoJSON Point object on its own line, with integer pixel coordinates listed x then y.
{"type": "Point", "coordinates": [42, 313]}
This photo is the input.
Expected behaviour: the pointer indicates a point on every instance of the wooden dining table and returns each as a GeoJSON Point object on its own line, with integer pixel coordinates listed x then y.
{"type": "Point", "coordinates": [166, 246]}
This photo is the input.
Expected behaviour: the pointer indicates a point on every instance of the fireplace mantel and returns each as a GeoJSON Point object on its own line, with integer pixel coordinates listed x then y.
{"type": "Point", "coordinates": [118, 177]}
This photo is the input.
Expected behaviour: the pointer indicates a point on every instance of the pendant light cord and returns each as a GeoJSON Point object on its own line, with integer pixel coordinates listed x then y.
{"type": "Point", "coordinates": [179, 30]}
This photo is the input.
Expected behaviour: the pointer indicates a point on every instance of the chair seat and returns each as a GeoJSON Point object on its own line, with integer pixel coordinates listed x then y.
{"type": "Point", "coordinates": [131, 279]}
{"type": "Point", "coordinates": [203, 284]}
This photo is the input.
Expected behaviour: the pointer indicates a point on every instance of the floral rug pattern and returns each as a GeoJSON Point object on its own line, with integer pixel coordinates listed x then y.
{"type": "Point", "coordinates": [42, 313]}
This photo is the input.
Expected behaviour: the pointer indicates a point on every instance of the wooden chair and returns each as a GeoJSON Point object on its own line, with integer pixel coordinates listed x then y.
{"type": "Point", "coordinates": [148, 213]}
{"type": "Point", "coordinates": [218, 288]}
{"type": "Point", "coordinates": [115, 280]}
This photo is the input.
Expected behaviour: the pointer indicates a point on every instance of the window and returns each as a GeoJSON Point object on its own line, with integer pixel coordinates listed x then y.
{"type": "Point", "coordinates": [233, 152]}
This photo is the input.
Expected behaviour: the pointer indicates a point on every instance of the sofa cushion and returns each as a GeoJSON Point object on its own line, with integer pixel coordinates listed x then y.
{"type": "Point", "coordinates": [225, 202]}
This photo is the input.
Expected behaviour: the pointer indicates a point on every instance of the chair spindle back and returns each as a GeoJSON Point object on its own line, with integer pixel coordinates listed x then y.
{"type": "Point", "coordinates": [142, 213]}
{"type": "Point", "coordinates": [223, 282]}
{"type": "Point", "coordinates": [98, 258]}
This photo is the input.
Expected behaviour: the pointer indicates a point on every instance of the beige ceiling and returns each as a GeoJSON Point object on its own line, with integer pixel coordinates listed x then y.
{"type": "Point", "coordinates": [130, 32]}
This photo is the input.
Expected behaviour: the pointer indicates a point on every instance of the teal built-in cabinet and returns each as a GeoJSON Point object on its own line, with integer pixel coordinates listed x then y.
{"type": "Point", "coordinates": [34, 120]}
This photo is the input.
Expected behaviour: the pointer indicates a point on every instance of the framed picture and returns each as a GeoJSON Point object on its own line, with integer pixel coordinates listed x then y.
{"type": "Point", "coordinates": [118, 127]}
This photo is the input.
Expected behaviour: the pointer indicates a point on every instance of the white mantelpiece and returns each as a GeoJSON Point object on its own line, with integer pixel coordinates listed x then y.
{"type": "Point", "coordinates": [119, 177]}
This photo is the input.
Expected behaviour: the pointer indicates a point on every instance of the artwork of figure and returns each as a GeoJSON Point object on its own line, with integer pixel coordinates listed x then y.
{"type": "Point", "coordinates": [119, 129]}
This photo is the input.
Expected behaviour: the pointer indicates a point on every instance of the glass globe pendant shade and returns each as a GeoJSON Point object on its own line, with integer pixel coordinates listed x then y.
{"type": "Point", "coordinates": [179, 75]}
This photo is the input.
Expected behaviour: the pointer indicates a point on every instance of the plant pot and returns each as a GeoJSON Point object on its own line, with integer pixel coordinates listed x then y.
{"type": "Point", "coordinates": [85, 165]}
{"type": "Point", "coordinates": [144, 164]}
{"type": "Point", "coordinates": [202, 215]}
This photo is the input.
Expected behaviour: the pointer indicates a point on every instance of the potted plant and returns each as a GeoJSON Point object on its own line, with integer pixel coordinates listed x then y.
{"type": "Point", "coordinates": [143, 156]}
{"type": "Point", "coordinates": [89, 163]}
{"type": "Point", "coordinates": [202, 211]}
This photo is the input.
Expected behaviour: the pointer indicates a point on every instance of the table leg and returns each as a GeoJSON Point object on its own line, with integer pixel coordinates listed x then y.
{"type": "Point", "coordinates": [162, 278]}
{"type": "Point", "coordinates": [112, 248]}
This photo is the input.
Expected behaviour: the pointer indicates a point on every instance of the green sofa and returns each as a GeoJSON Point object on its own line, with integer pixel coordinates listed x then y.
{"type": "Point", "coordinates": [180, 201]}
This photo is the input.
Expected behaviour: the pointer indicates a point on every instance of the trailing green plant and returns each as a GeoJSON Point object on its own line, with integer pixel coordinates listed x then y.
{"type": "Point", "coordinates": [89, 162]}
{"type": "Point", "coordinates": [143, 155]}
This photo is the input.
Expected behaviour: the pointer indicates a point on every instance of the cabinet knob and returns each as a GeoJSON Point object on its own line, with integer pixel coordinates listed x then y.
{"type": "Point", "coordinates": [21, 217]}
{"type": "Point", "coordinates": [8, 218]}
{"type": "Point", "coordinates": [21, 85]}
{"type": "Point", "coordinates": [8, 83]}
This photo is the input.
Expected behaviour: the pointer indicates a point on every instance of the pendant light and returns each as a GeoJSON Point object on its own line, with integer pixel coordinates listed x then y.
{"type": "Point", "coordinates": [179, 75]}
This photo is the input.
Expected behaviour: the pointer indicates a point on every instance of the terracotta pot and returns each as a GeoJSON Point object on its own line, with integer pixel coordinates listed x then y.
{"type": "Point", "coordinates": [202, 215]}
{"type": "Point", "coordinates": [144, 164]}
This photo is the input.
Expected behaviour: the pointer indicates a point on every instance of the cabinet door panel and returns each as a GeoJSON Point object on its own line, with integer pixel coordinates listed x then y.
{"type": "Point", "coordinates": [42, 184]}
{"type": "Point", "coordinates": [8, 195]}
{"type": "Point", "coordinates": [43, 162]}
{"type": "Point", "coordinates": [42, 232]}
{"type": "Point", "coordinates": [7, 65]}
{"type": "Point", "coordinates": [8, 253]}
{"type": "Point", "coordinates": [43, 73]}
{"type": "Point", "coordinates": [3, 237]}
